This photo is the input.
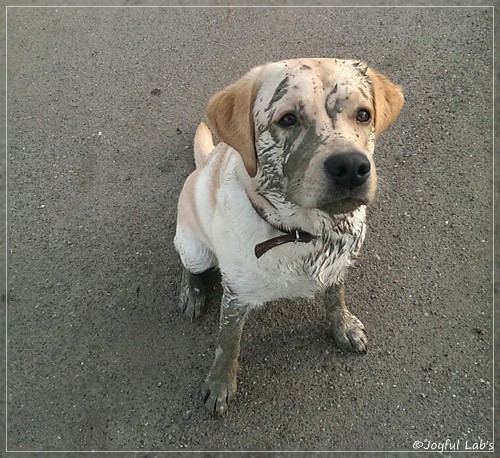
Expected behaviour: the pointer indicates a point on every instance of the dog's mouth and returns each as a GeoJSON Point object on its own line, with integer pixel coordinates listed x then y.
{"type": "Point", "coordinates": [343, 205]}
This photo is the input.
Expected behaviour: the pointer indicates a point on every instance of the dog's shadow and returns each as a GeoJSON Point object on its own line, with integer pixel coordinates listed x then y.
{"type": "Point", "coordinates": [296, 329]}
{"type": "Point", "coordinates": [284, 343]}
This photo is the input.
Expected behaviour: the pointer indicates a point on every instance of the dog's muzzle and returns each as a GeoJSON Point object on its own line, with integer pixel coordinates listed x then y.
{"type": "Point", "coordinates": [348, 170]}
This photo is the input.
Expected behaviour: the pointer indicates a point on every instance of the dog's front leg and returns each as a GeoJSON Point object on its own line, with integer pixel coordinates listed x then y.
{"type": "Point", "coordinates": [220, 385]}
{"type": "Point", "coordinates": [348, 331]}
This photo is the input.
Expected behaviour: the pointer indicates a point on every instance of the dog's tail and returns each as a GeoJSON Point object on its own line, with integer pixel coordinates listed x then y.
{"type": "Point", "coordinates": [203, 145]}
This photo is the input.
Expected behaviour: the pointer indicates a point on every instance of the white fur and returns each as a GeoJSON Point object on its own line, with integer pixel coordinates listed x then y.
{"type": "Point", "coordinates": [218, 224]}
{"type": "Point", "coordinates": [232, 228]}
{"type": "Point", "coordinates": [296, 157]}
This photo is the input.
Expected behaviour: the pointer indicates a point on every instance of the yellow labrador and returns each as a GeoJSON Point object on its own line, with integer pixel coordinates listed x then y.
{"type": "Point", "coordinates": [279, 205]}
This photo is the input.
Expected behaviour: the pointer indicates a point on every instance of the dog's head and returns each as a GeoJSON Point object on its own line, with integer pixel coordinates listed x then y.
{"type": "Point", "coordinates": [306, 129]}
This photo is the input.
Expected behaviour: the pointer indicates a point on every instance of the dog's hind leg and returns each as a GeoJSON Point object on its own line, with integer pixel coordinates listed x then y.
{"type": "Point", "coordinates": [196, 259]}
{"type": "Point", "coordinates": [192, 295]}
{"type": "Point", "coordinates": [348, 331]}
{"type": "Point", "coordinates": [220, 385]}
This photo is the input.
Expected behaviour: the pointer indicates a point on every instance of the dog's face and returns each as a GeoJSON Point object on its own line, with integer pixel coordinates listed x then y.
{"type": "Point", "coordinates": [306, 128]}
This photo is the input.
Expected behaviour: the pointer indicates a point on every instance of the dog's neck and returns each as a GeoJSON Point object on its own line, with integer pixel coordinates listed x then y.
{"type": "Point", "coordinates": [298, 236]}
{"type": "Point", "coordinates": [292, 233]}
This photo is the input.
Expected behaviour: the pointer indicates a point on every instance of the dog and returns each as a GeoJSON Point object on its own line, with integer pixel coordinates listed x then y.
{"type": "Point", "coordinates": [279, 205]}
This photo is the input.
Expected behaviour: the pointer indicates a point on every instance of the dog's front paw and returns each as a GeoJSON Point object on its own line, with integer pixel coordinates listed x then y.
{"type": "Point", "coordinates": [217, 396]}
{"type": "Point", "coordinates": [192, 295]}
{"type": "Point", "coordinates": [349, 333]}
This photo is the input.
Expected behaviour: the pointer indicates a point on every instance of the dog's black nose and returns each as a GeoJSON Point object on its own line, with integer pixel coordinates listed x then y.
{"type": "Point", "coordinates": [348, 170]}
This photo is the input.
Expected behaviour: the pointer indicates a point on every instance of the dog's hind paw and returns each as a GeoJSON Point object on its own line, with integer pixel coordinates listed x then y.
{"type": "Point", "coordinates": [350, 334]}
{"type": "Point", "coordinates": [192, 295]}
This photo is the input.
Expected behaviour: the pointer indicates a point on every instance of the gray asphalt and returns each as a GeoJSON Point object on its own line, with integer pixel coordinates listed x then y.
{"type": "Point", "coordinates": [102, 108]}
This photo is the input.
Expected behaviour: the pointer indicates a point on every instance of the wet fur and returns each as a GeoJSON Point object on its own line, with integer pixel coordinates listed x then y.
{"type": "Point", "coordinates": [264, 180]}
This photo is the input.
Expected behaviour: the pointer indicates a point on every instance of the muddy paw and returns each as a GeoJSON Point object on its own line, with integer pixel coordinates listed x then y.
{"type": "Point", "coordinates": [192, 295]}
{"type": "Point", "coordinates": [350, 334]}
{"type": "Point", "coordinates": [217, 395]}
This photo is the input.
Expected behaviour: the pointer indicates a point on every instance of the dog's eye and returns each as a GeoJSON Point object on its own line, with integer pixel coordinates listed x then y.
{"type": "Point", "coordinates": [363, 115]}
{"type": "Point", "coordinates": [287, 120]}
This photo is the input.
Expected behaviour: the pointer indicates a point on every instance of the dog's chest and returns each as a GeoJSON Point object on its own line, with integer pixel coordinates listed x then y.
{"type": "Point", "coordinates": [302, 269]}
{"type": "Point", "coordinates": [334, 253]}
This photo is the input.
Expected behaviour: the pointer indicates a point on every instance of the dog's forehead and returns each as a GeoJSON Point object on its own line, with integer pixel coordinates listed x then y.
{"type": "Point", "coordinates": [313, 75]}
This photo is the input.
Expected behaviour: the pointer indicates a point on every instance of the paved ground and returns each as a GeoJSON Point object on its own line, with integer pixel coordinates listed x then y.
{"type": "Point", "coordinates": [102, 108]}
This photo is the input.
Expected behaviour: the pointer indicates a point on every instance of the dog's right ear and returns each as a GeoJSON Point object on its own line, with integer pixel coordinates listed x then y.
{"type": "Point", "coordinates": [230, 115]}
{"type": "Point", "coordinates": [388, 100]}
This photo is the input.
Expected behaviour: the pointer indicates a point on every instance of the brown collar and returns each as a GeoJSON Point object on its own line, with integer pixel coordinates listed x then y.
{"type": "Point", "coordinates": [294, 236]}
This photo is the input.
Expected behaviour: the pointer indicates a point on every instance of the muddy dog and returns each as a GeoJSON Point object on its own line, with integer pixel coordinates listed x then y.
{"type": "Point", "coordinates": [279, 205]}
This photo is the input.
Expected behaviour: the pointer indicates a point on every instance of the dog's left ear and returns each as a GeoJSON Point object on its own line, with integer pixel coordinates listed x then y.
{"type": "Point", "coordinates": [230, 115]}
{"type": "Point", "coordinates": [388, 100]}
